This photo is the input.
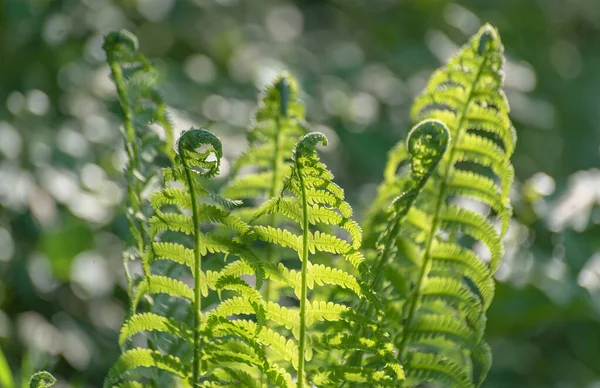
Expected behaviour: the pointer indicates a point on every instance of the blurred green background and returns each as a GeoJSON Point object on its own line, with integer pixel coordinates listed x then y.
{"type": "Point", "coordinates": [360, 63]}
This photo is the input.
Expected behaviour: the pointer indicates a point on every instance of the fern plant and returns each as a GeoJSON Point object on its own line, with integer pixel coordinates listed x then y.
{"type": "Point", "coordinates": [147, 132]}
{"type": "Point", "coordinates": [169, 230]}
{"type": "Point", "coordinates": [444, 254]}
{"type": "Point", "coordinates": [258, 173]}
{"type": "Point", "coordinates": [310, 198]}
{"type": "Point", "coordinates": [281, 290]}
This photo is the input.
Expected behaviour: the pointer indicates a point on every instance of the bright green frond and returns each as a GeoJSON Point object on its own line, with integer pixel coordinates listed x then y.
{"type": "Point", "coordinates": [153, 322]}
{"type": "Point", "coordinates": [281, 237]}
{"type": "Point", "coordinates": [158, 284]}
{"type": "Point", "coordinates": [249, 186]}
{"type": "Point", "coordinates": [431, 367]}
{"type": "Point", "coordinates": [446, 287]}
{"type": "Point", "coordinates": [133, 359]}
{"type": "Point", "coordinates": [446, 326]}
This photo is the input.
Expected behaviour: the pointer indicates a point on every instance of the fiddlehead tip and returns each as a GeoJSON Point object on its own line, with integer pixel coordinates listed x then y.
{"type": "Point", "coordinates": [283, 86]}
{"type": "Point", "coordinates": [41, 379]}
{"type": "Point", "coordinates": [308, 143]}
{"type": "Point", "coordinates": [487, 33]}
{"type": "Point", "coordinates": [200, 148]}
{"type": "Point", "coordinates": [117, 40]}
{"type": "Point", "coordinates": [427, 142]}
{"type": "Point", "coordinates": [284, 89]}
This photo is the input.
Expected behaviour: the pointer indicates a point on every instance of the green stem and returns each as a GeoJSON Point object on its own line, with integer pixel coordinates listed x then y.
{"type": "Point", "coordinates": [385, 255]}
{"type": "Point", "coordinates": [426, 260]}
{"type": "Point", "coordinates": [305, 231]}
{"type": "Point", "coordinates": [275, 166]}
{"type": "Point", "coordinates": [196, 372]}
{"type": "Point", "coordinates": [131, 149]}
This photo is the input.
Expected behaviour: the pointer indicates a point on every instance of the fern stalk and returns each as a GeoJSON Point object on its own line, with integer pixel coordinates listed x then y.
{"type": "Point", "coordinates": [302, 339]}
{"type": "Point", "coordinates": [197, 270]}
{"type": "Point", "coordinates": [275, 184]}
{"type": "Point", "coordinates": [131, 146]}
{"type": "Point", "coordinates": [426, 262]}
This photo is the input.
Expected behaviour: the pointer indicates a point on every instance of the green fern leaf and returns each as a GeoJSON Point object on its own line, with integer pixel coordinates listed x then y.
{"type": "Point", "coordinates": [453, 286]}
{"type": "Point", "coordinates": [153, 322]}
{"type": "Point", "coordinates": [133, 359]}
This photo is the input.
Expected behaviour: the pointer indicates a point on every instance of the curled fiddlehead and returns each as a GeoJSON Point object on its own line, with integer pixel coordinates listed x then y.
{"type": "Point", "coordinates": [42, 379]}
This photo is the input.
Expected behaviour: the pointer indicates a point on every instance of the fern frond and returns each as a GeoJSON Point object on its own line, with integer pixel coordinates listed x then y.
{"type": "Point", "coordinates": [133, 359]}
{"type": "Point", "coordinates": [281, 237]}
{"type": "Point", "coordinates": [199, 154]}
{"type": "Point", "coordinates": [355, 376]}
{"type": "Point", "coordinates": [276, 124]}
{"type": "Point", "coordinates": [143, 111]}
{"type": "Point", "coordinates": [153, 322]}
{"type": "Point", "coordinates": [430, 367]}
{"type": "Point", "coordinates": [158, 284]}
{"type": "Point", "coordinates": [444, 312]}
{"type": "Point", "coordinates": [310, 200]}
{"type": "Point", "coordinates": [258, 172]}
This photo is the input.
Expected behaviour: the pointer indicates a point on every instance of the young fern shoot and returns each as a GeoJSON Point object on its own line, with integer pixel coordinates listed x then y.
{"type": "Point", "coordinates": [187, 147]}
{"type": "Point", "coordinates": [258, 173]}
{"type": "Point", "coordinates": [141, 105]}
{"type": "Point", "coordinates": [312, 200]}
{"type": "Point", "coordinates": [448, 252]}
{"type": "Point", "coordinates": [426, 143]}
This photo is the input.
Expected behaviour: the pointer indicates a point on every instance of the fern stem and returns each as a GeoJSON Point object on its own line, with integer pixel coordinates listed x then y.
{"type": "Point", "coordinates": [305, 231]}
{"type": "Point", "coordinates": [196, 372]}
{"type": "Point", "coordinates": [131, 148]}
{"type": "Point", "coordinates": [275, 165]}
{"type": "Point", "coordinates": [383, 259]}
{"type": "Point", "coordinates": [426, 261]}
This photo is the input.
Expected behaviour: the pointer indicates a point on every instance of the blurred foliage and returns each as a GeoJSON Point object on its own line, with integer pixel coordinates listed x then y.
{"type": "Point", "coordinates": [62, 295]}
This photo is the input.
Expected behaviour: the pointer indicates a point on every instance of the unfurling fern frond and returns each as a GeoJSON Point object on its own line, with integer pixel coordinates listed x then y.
{"type": "Point", "coordinates": [446, 252]}
{"type": "Point", "coordinates": [147, 132]}
{"type": "Point", "coordinates": [309, 200]}
{"type": "Point", "coordinates": [181, 234]}
{"type": "Point", "coordinates": [411, 299]}
{"type": "Point", "coordinates": [258, 172]}
{"type": "Point", "coordinates": [276, 125]}
{"type": "Point", "coordinates": [427, 143]}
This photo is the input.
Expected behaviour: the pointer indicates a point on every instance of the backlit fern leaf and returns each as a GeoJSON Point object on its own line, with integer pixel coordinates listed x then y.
{"type": "Point", "coordinates": [310, 199]}
{"type": "Point", "coordinates": [259, 171]}
{"type": "Point", "coordinates": [134, 359]}
{"type": "Point", "coordinates": [448, 252]}
{"type": "Point", "coordinates": [407, 311]}
{"type": "Point", "coordinates": [177, 238]}
{"type": "Point", "coordinates": [147, 132]}
{"type": "Point", "coordinates": [277, 123]}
